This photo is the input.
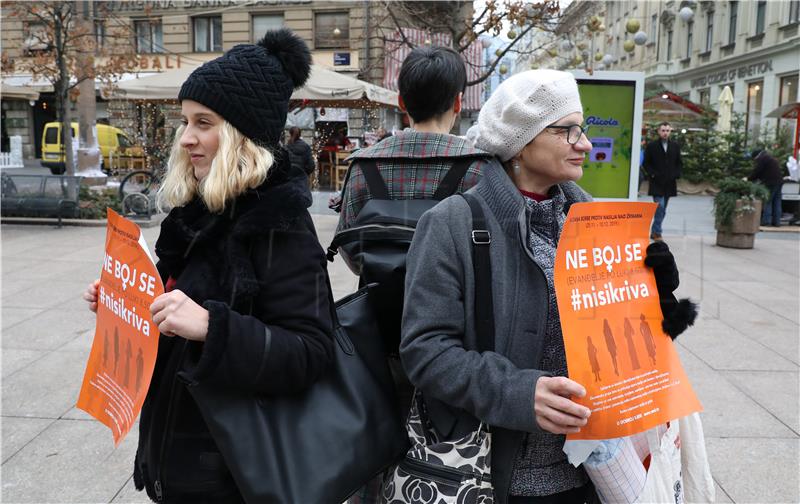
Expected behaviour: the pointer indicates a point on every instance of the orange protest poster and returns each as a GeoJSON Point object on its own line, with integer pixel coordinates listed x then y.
{"type": "Point", "coordinates": [611, 321]}
{"type": "Point", "coordinates": [125, 343]}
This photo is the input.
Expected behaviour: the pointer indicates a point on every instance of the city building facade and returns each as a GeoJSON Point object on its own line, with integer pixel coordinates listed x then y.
{"type": "Point", "coordinates": [693, 49]}
{"type": "Point", "coordinates": [169, 35]}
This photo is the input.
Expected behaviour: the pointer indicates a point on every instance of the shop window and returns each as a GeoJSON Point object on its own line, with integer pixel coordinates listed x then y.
{"type": "Point", "coordinates": [263, 23]}
{"type": "Point", "coordinates": [149, 36]}
{"type": "Point", "coordinates": [331, 30]}
{"type": "Point", "coordinates": [788, 94]}
{"type": "Point", "coordinates": [755, 92]}
{"type": "Point", "coordinates": [207, 34]}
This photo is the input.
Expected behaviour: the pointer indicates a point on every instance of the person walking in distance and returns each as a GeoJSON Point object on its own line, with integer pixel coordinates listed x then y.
{"type": "Point", "coordinates": [768, 171]}
{"type": "Point", "coordinates": [299, 152]}
{"type": "Point", "coordinates": [663, 166]}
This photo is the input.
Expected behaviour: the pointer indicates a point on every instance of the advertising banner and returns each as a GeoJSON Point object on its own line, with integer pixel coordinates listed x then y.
{"type": "Point", "coordinates": [612, 109]}
{"type": "Point", "coordinates": [611, 322]}
{"type": "Point", "coordinates": [125, 342]}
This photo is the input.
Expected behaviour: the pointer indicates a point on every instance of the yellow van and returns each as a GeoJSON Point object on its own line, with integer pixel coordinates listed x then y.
{"type": "Point", "coordinates": [112, 141]}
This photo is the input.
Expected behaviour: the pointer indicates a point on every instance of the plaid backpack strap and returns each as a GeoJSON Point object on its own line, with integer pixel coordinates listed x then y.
{"type": "Point", "coordinates": [449, 184]}
{"type": "Point", "coordinates": [375, 183]}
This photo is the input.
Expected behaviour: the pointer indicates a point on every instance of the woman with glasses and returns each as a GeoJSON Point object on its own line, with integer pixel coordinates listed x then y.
{"type": "Point", "coordinates": [532, 124]}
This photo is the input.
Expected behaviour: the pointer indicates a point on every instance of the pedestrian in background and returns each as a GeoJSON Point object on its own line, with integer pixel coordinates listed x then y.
{"type": "Point", "coordinates": [663, 165]}
{"type": "Point", "coordinates": [300, 152]}
{"type": "Point", "coordinates": [533, 125]}
{"type": "Point", "coordinates": [767, 171]}
{"type": "Point", "coordinates": [243, 270]}
{"type": "Point", "coordinates": [382, 133]}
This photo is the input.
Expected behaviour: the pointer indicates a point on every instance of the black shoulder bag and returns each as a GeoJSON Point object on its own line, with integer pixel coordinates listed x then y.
{"type": "Point", "coordinates": [322, 445]}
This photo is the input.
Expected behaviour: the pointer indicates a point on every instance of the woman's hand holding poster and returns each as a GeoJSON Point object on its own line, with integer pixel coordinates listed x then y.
{"type": "Point", "coordinates": [125, 343]}
{"type": "Point", "coordinates": [611, 321]}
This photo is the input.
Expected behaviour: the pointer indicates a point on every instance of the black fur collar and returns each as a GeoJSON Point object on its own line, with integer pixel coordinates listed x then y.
{"type": "Point", "coordinates": [275, 204]}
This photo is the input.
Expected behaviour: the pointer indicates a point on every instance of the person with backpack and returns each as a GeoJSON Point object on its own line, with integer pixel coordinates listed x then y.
{"type": "Point", "coordinates": [412, 164]}
{"type": "Point", "coordinates": [390, 184]}
{"type": "Point", "coordinates": [245, 310]}
{"type": "Point", "coordinates": [506, 229]}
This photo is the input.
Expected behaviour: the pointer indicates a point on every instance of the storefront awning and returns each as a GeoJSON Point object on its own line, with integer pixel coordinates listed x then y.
{"type": "Point", "coordinates": [325, 88]}
{"type": "Point", "coordinates": [786, 111]}
{"type": "Point", "coordinates": [676, 110]}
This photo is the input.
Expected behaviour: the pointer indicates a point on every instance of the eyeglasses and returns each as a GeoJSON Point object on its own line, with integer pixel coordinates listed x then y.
{"type": "Point", "coordinates": [574, 132]}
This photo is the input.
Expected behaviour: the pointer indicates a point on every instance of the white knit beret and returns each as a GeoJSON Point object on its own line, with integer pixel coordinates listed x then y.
{"type": "Point", "coordinates": [521, 107]}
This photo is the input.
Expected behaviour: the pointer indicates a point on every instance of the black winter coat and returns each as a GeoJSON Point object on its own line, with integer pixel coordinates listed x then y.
{"type": "Point", "coordinates": [300, 156]}
{"type": "Point", "coordinates": [767, 171]}
{"type": "Point", "coordinates": [662, 168]}
{"type": "Point", "coordinates": [260, 272]}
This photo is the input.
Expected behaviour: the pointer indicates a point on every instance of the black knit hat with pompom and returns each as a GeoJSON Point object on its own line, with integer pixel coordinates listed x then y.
{"type": "Point", "coordinates": [251, 84]}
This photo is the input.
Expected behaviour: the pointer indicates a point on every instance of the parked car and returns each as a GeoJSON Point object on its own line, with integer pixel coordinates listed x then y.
{"type": "Point", "coordinates": [112, 141]}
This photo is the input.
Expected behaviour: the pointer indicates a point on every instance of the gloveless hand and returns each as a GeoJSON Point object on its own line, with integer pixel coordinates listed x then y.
{"type": "Point", "coordinates": [176, 314]}
{"type": "Point", "coordinates": [555, 411]}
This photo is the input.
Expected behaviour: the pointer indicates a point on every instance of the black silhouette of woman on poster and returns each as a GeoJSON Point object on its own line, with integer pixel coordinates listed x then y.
{"type": "Point", "coordinates": [631, 346]}
{"type": "Point", "coordinates": [649, 342]}
{"type": "Point", "coordinates": [139, 370]}
{"type": "Point", "coordinates": [592, 350]}
{"type": "Point", "coordinates": [105, 349]}
{"type": "Point", "coordinates": [128, 356]}
{"type": "Point", "coordinates": [116, 350]}
{"type": "Point", "coordinates": [611, 345]}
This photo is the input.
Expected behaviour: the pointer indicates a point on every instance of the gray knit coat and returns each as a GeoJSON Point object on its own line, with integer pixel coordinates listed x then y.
{"type": "Point", "coordinates": [438, 334]}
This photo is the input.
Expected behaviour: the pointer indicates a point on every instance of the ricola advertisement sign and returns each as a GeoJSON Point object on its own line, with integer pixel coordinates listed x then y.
{"type": "Point", "coordinates": [612, 111]}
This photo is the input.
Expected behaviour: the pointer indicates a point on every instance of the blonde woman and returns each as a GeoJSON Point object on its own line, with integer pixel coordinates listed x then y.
{"type": "Point", "coordinates": [246, 307]}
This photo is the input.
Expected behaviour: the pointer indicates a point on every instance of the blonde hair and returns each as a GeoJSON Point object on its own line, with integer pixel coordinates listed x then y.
{"type": "Point", "coordinates": [238, 165]}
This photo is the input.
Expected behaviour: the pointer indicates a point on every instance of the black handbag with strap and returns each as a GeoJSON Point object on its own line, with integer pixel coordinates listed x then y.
{"type": "Point", "coordinates": [322, 445]}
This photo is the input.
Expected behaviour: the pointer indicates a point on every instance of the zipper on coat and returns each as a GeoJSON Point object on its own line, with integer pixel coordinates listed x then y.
{"type": "Point", "coordinates": [173, 393]}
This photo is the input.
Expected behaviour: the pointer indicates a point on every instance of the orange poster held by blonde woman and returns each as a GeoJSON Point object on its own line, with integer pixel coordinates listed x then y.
{"type": "Point", "coordinates": [611, 322]}
{"type": "Point", "coordinates": [125, 343]}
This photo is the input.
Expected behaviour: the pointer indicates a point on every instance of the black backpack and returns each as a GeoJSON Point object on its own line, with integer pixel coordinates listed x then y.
{"type": "Point", "coordinates": [375, 247]}
{"type": "Point", "coordinates": [376, 244]}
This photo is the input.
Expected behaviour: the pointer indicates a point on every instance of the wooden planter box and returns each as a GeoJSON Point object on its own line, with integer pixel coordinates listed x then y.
{"type": "Point", "coordinates": [742, 231]}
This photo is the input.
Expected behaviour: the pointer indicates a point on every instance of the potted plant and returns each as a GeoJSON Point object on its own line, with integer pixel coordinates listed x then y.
{"type": "Point", "coordinates": [737, 212]}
